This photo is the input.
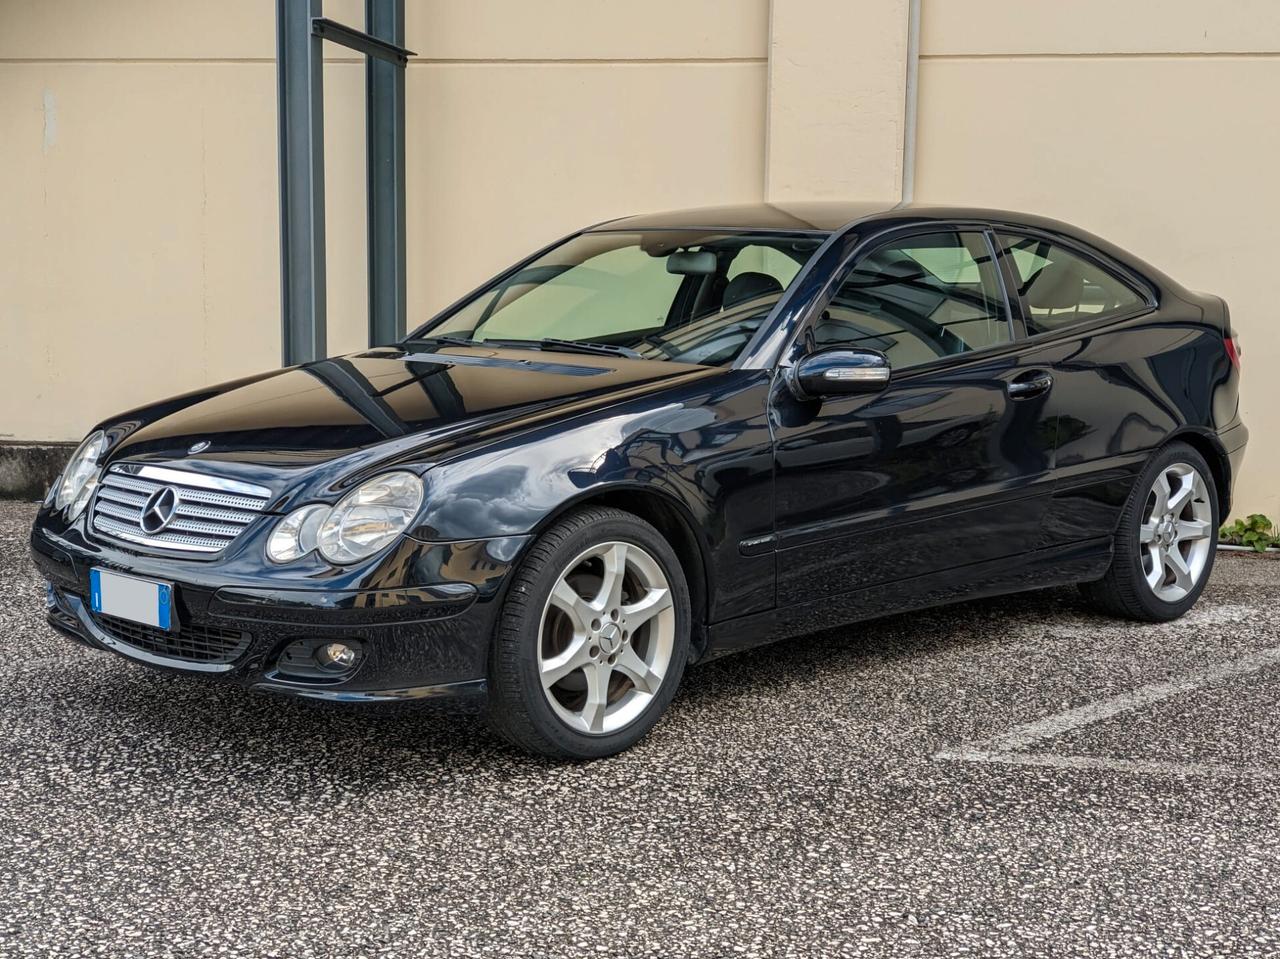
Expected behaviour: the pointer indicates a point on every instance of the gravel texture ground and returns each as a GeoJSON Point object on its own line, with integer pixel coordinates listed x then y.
{"type": "Point", "coordinates": [791, 804]}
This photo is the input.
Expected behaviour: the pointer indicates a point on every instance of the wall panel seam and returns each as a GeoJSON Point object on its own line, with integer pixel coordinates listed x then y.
{"type": "Point", "coordinates": [416, 61]}
{"type": "Point", "coordinates": [1169, 55]}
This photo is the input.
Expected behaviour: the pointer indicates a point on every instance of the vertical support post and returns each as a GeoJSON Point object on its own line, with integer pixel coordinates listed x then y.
{"type": "Point", "coordinates": [300, 78]}
{"type": "Point", "coordinates": [385, 164]}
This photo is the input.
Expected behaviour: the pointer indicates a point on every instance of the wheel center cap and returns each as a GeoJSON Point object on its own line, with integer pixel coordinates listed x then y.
{"type": "Point", "coordinates": [610, 638]}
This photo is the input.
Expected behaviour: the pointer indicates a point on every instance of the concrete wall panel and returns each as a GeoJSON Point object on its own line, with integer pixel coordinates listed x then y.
{"type": "Point", "coordinates": [1168, 157]}
{"type": "Point", "coordinates": [1021, 28]}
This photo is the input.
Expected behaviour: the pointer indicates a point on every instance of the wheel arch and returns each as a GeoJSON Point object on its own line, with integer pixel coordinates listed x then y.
{"type": "Point", "coordinates": [1207, 444]}
{"type": "Point", "coordinates": [673, 520]}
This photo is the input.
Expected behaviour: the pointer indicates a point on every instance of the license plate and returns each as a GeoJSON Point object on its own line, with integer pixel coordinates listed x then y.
{"type": "Point", "coordinates": [128, 597]}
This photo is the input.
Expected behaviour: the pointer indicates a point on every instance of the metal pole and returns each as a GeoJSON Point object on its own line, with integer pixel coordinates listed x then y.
{"type": "Point", "coordinates": [385, 164]}
{"type": "Point", "coordinates": [911, 103]}
{"type": "Point", "coordinates": [300, 77]}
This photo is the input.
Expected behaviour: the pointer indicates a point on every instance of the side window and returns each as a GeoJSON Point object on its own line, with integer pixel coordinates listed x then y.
{"type": "Point", "coordinates": [919, 299]}
{"type": "Point", "coordinates": [1059, 288]}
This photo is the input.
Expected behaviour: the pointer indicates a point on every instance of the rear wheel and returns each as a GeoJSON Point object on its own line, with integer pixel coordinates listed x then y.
{"type": "Point", "coordinates": [592, 639]}
{"type": "Point", "coordinates": [1165, 542]}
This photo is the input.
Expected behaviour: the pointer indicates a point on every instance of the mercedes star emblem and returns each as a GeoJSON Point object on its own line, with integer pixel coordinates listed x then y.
{"type": "Point", "coordinates": [159, 509]}
{"type": "Point", "coordinates": [198, 447]}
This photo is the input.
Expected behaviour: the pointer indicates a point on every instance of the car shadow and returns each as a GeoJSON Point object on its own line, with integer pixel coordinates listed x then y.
{"type": "Point", "coordinates": [368, 743]}
{"type": "Point", "coordinates": [919, 634]}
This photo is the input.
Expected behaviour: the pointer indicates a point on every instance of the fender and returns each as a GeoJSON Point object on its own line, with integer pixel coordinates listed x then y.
{"type": "Point", "coordinates": [517, 490]}
{"type": "Point", "coordinates": [704, 454]}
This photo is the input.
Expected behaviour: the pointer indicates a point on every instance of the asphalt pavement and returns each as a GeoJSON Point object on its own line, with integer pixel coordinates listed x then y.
{"type": "Point", "coordinates": [1013, 777]}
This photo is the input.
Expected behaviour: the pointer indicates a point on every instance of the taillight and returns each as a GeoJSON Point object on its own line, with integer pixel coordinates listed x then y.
{"type": "Point", "coordinates": [1233, 350]}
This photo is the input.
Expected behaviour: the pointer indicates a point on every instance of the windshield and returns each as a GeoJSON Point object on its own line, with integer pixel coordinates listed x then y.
{"type": "Point", "coordinates": [688, 296]}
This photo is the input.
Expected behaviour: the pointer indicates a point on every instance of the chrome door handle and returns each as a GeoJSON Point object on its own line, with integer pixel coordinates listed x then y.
{"type": "Point", "coordinates": [1032, 386]}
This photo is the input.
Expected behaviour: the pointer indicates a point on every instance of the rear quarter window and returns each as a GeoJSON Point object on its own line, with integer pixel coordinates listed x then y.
{"type": "Point", "coordinates": [1060, 288]}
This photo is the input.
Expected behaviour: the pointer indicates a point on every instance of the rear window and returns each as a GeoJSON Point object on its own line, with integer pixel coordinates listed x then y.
{"type": "Point", "coordinates": [1060, 288]}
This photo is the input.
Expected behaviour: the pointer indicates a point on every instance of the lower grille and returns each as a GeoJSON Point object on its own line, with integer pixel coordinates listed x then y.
{"type": "Point", "coordinates": [194, 644]}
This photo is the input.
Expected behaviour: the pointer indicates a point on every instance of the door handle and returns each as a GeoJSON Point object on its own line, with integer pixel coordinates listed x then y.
{"type": "Point", "coordinates": [1032, 384]}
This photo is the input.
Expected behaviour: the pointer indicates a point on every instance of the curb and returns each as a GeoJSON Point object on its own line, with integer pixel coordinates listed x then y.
{"type": "Point", "coordinates": [28, 469]}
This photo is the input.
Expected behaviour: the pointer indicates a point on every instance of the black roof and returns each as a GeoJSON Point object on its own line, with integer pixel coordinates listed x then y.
{"type": "Point", "coordinates": [828, 217]}
{"type": "Point", "coordinates": [818, 217]}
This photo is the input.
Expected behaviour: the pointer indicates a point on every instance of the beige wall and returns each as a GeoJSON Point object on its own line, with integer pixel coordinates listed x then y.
{"type": "Point", "coordinates": [138, 182]}
{"type": "Point", "coordinates": [1158, 132]}
{"type": "Point", "coordinates": [837, 85]}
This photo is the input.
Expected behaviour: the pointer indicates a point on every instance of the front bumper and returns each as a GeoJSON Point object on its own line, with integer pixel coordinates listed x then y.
{"type": "Point", "coordinates": [422, 617]}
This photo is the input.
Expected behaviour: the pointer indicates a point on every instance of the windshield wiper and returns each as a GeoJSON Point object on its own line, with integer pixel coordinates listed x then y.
{"type": "Point", "coordinates": [550, 344]}
{"type": "Point", "coordinates": [586, 346]}
{"type": "Point", "coordinates": [446, 340]}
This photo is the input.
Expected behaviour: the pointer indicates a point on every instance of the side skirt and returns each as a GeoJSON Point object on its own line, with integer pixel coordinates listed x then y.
{"type": "Point", "coordinates": [1055, 566]}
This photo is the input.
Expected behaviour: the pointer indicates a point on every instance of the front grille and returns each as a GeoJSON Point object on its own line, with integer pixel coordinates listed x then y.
{"type": "Point", "coordinates": [194, 644]}
{"type": "Point", "coordinates": [210, 513]}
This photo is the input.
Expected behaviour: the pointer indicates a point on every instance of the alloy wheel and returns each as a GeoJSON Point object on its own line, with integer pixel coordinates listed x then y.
{"type": "Point", "coordinates": [606, 637]}
{"type": "Point", "coordinates": [1176, 536]}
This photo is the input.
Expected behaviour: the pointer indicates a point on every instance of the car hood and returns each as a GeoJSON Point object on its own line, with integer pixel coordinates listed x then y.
{"type": "Point", "coordinates": [378, 407]}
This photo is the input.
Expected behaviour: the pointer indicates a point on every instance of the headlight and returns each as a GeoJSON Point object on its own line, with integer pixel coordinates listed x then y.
{"type": "Point", "coordinates": [295, 537]}
{"type": "Point", "coordinates": [365, 520]}
{"type": "Point", "coordinates": [81, 475]}
{"type": "Point", "coordinates": [370, 517]}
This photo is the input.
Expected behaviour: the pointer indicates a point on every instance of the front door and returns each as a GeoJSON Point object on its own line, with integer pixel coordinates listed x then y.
{"type": "Point", "coordinates": [950, 465]}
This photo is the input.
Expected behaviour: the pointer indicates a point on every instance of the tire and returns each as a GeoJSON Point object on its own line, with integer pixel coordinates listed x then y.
{"type": "Point", "coordinates": [1131, 587]}
{"type": "Point", "coordinates": [612, 647]}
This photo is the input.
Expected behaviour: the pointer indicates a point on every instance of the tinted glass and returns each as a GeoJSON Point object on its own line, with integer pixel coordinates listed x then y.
{"type": "Point", "coordinates": [919, 299]}
{"type": "Point", "coordinates": [689, 296]}
{"type": "Point", "coordinates": [1060, 288]}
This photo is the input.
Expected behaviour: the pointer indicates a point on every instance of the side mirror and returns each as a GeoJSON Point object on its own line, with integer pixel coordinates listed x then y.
{"type": "Point", "coordinates": [840, 372]}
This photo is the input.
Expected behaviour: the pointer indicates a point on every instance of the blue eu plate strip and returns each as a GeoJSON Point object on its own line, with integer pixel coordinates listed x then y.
{"type": "Point", "coordinates": [165, 597]}
{"type": "Point", "coordinates": [95, 591]}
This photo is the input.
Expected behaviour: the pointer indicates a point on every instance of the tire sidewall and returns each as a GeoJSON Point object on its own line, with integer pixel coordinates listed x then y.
{"type": "Point", "coordinates": [523, 630]}
{"type": "Point", "coordinates": [1128, 540]}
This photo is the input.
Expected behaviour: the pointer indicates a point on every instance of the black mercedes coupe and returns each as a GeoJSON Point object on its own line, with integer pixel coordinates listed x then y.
{"type": "Point", "coordinates": [659, 440]}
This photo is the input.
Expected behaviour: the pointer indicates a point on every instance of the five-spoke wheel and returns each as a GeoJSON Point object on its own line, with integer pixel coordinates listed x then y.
{"type": "Point", "coordinates": [1176, 537]}
{"type": "Point", "coordinates": [608, 629]}
{"type": "Point", "coordinates": [1164, 545]}
{"type": "Point", "coordinates": [592, 639]}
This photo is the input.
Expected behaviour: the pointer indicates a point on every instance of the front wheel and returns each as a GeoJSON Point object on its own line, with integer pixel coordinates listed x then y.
{"type": "Point", "coordinates": [592, 639]}
{"type": "Point", "coordinates": [1165, 542]}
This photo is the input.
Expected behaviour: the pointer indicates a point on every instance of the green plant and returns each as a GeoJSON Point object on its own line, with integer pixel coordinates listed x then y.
{"type": "Point", "coordinates": [1255, 531]}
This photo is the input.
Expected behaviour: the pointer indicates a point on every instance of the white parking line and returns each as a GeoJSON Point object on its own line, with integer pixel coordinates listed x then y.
{"type": "Point", "coordinates": [1009, 748]}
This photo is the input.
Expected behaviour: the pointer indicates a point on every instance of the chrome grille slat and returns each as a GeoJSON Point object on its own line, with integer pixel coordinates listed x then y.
{"type": "Point", "coordinates": [229, 530]}
{"type": "Point", "coordinates": [147, 487]}
{"type": "Point", "coordinates": [128, 513]}
{"type": "Point", "coordinates": [121, 496]}
{"type": "Point", "coordinates": [210, 513]}
{"type": "Point", "coordinates": [177, 541]}
{"type": "Point", "coordinates": [239, 517]}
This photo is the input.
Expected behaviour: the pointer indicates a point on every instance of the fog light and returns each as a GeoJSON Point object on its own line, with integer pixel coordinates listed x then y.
{"type": "Point", "coordinates": [335, 656]}
{"type": "Point", "coordinates": [321, 661]}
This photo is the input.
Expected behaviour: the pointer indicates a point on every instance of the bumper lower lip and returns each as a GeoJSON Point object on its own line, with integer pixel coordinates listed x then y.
{"type": "Point", "coordinates": [471, 687]}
